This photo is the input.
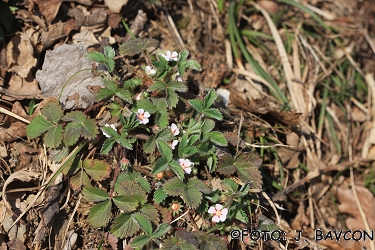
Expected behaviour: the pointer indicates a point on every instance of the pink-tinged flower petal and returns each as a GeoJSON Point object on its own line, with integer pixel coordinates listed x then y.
{"type": "Point", "coordinates": [187, 170]}
{"type": "Point", "coordinates": [174, 129]}
{"type": "Point", "coordinates": [218, 206]}
{"type": "Point", "coordinates": [174, 56]}
{"type": "Point", "coordinates": [212, 210]}
{"type": "Point", "coordinates": [224, 211]}
{"type": "Point", "coordinates": [143, 116]}
{"type": "Point", "coordinates": [174, 144]}
{"type": "Point", "coordinates": [215, 219]}
{"type": "Point", "coordinates": [223, 217]}
{"type": "Point", "coordinates": [150, 71]}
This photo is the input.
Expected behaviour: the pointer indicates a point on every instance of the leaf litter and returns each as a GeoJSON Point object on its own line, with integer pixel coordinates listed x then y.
{"type": "Point", "coordinates": [324, 135]}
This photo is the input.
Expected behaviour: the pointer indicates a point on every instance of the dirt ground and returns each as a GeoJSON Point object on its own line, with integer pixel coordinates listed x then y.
{"type": "Point", "coordinates": [297, 80]}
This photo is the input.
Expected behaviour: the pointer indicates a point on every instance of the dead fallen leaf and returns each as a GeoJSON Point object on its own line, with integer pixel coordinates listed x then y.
{"type": "Point", "coordinates": [266, 107]}
{"type": "Point", "coordinates": [290, 155]}
{"type": "Point", "coordinates": [348, 205]}
{"type": "Point", "coordinates": [22, 88]}
{"type": "Point", "coordinates": [57, 77]}
{"type": "Point", "coordinates": [115, 5]}
{"type": "Point", "coordinates": [50, 209]}
{"type": "Point", "coordinates": [20, 55]}
{"type": "Point", "coordinates": [15, 201]}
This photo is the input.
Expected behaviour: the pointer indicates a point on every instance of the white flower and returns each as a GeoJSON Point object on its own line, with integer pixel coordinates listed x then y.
{"type": "Point", "coordinates": [219, 213]}
{"type": "Point", "coordinates": [178, 77]}
{"type": "Point", "coordinates": [168, 56]}
{"type": "Point", "coordinates": [185, 164]}
{"type": "Point", "coordinates": [143, 116]}
{"type": "Point", "coordinates": [107, 125]}
{"type": "Point", "coordinates": [174, 56]}
{"type": "Point", "coordinates": [150, 71]}
{"type": "Point", "coordinates": [173, 144]}
{"type": "Point", "coordinates": [138, 96]}
{"type": "Point", "coordinates": [175, 131]}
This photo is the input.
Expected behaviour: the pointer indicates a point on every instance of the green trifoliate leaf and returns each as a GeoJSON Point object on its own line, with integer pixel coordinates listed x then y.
{"type": "Point", "coordinates": [53, 112]}
{"type": "Point", "coordinates": [124, 95]}
{"type": "Point", "coordinates": [135, 176]}
{"type": "Point", "coordinates": [193, 64]}
{"type": "Point", "coordinates": [197, 104]}
{"type": "Point", "coordinates": [143, 223]}
{"type": "Point", "coordinates": [241, 216]}
{"type": "Point", "coordinates": [200, 185]}
{"type": "Point", "coordinates": [96, 57]}
{"type": "Point", "coordinates": [131, 188]}
{"type": "Point", "coordinates": [213, 113]}
{"type": "Point", "coordinates": [79, 125]}
{"type": "Point", "coordinates": [160, 195]}
{"type": "Point", "coordinates": [150, 212]}
{"type": "Point", "coordinates": [216, 137]}
{"type": "Point", "coordinates": [103, 94]}
{"type": "Point", "coordinates": [226, 165]}
{"type": "Point", "coordinates": [38, 126]}
{"type": "Point", "coordinates": [140, 241]}
{"type": "Point", "coordinates": [181, 64]}
{"type": "Point", "coordinates": [174, 187]}
{"type": "Point", "coordinates": [110, 63]}
{"type": "Point", "coordinates": [161, 164]}
{"type": "Point", "coordinates": [192, 197]}
{"type": "Point", "coordinates": [178, 244]}
{"type": "Point", "coordinates": [177, 86]}
{"type": "Point", "coordinates": [172, 98]}
{"type": "Point", "coordinates": [132, 83]}
{"type": "Point", "coordinates": [124, 226]}
{"type": "Point", "coordinates": [136, 46]}
{"type": "Point", "coordinates": [98, 170]}
{"type": "Point", "coordinates": [53, 137]}
{"type": "Point", "coordinates": [247, 165]}
{"type": "Point", "coordinates": [107, 146]}
{"type": "Point", "coordinates": [146, 105]}
{"type": "Point", "coordinates": [160, 103]}
{"type": "Point", "coordinates": [207, 126]}
{"type": "Point", "coordinates": [94, 194]}
{"type": "Point", "coordinates": [209, 99]}
{"type": "Point", "coordinates": [109, 52]}
{"type": "Point", "coordinates": [161, 230]}
{"type": "Point", "coordinates": [165, 150]}
{"type": "Point", "coordinates": [177, 169]}
{"type": "Point", "coordinates": [123, 142]}
{"type": "Point", "coordinates": [162, 118]}
{"type": "Point", "coordinates": [209, 241]}
{"type": "Point", "coordinates": [100, 213]}
{"type": "Point", "coordinates": [126, 203]}
{"type": "Point", "coordinates": [158, 86]}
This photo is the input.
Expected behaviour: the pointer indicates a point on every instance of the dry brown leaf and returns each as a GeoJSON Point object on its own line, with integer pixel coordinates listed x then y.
{"type": "Point", "coordinates": [50, 209]}
{"type": "Point", "coordinates": [20, 55]}
{"type": "Point", "coordinates": [265, 106]}
{"type": "Point", "coordinates": [12, 129]}
{"type": "Point", "coordinates": [59, 66]}
{"type": "Point", "coordinates": [16, 244]}
{"type": "Point", "coordinates": [115, 5]}
{"type": "Point", "coordinates": [290, 155]}
{"type": "Point", "coordinates": [49, 8]}
{"type": "Point", "coordinates": [22, 88]}
{"type": "Point", "coordinates": [348, 205]}
{"type": "Point", "coordinates": [16, 201]}
{"type": "Point", "coordinates": [358, 115]}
